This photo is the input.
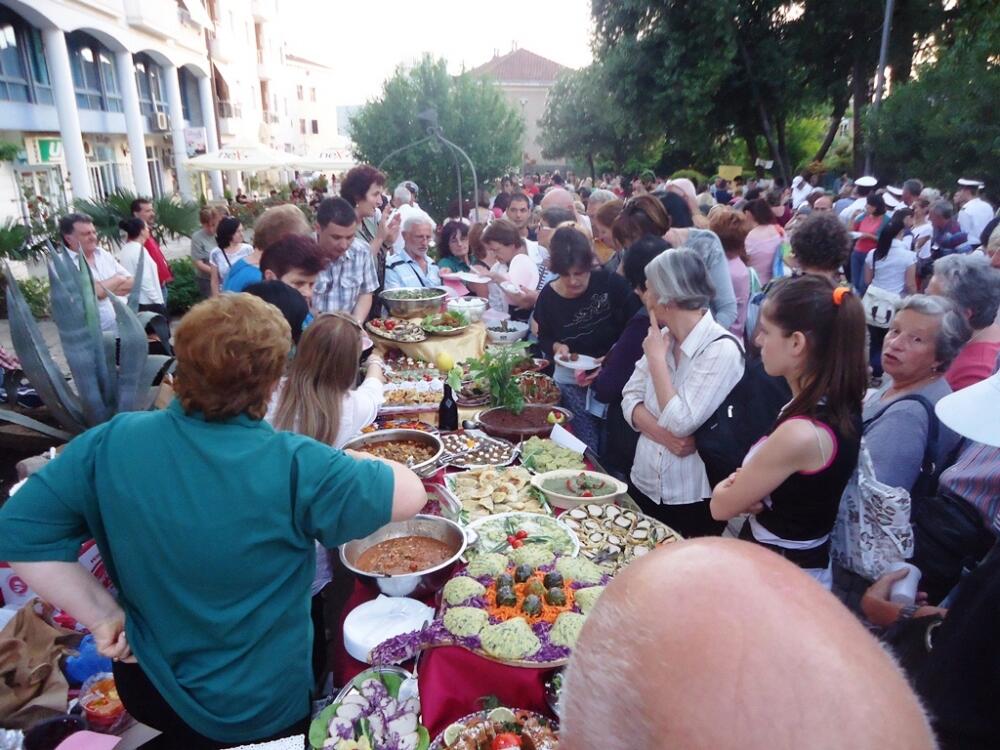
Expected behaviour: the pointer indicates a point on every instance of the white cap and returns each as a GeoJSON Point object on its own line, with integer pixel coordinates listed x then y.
{"type": "Point", "coordinates": [897, 191]}
{"type": "Point", "coordinates": [890, 200]}
{"type": "Point", "coordinates": [974, 412]}
{"type": "Point", "coordinates": [866, 181]}
{"type": "Point", "coordinates": [966, 182]}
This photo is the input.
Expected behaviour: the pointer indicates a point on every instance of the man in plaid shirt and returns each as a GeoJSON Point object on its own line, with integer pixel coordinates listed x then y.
{"type": "Point", "coordinates": [349, 280]}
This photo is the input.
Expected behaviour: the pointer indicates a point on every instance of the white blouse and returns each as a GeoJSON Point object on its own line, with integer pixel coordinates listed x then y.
{"type": "Point", "coordinates": [707, 370]}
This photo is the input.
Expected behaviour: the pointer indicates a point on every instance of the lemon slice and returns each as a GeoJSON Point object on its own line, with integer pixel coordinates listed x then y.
{"type": "Point", "coordinates": [452, 733]}
{"type": "Point", "coordinates": [501, 716]}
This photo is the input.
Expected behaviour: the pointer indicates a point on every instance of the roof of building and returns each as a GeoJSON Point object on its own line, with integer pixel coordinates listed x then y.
{"type": "Point", "coordinates": [520, 65]}
{"type": "Point", "coordinates": [305, 61]}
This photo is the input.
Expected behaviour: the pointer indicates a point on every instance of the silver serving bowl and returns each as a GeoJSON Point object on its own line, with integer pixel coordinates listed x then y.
{"type": "Point", "coordinates": [412, 308]}
{"type": "Point", "coordinates": [418, 436]}
{"type": "Point", "coordinates": [416, 584]}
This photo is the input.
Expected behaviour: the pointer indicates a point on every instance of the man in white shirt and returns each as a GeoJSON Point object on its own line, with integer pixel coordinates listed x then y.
{"type": "Point", "coordinates": [80, 235]}
{"type": "Point", "coordinates": [801, 189]}
{"type": "Point", "coordinates": [912, 188]}
{"type": "Point", "coordinates": [863, 186]}
{"type": "Point", "coordinates": [975, 213]}
{"type": "Point", "coordinates": [518, 212]}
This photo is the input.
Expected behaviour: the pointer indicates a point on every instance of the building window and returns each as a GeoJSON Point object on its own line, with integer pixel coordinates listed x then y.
{"type": "Point", "coordinates": [312, 93]}
{"type": "Point", "coordinates": [155, 168]}
{"type": "Point", "coordinates": [298, 92]}
{"type": "Point", "coordinates": [24, 76]}
{"type": "Point", "coordinates": [93, 74]}
{"type": "Point", "coordinates": [315, 124]}
{"type": "Point", "coordinates": [105, 177]}
{"type": "Point", "coordinates": [302, 127]}
{"type": "Point", "coordinates": [149, 80]}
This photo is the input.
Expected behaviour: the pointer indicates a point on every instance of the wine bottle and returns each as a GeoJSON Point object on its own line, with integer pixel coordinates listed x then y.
{"type": "Point", "coordinates": [448, 411]}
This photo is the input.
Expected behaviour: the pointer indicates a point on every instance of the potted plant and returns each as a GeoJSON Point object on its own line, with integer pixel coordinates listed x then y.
{"type": "Point", "coordinates": [509, 416]}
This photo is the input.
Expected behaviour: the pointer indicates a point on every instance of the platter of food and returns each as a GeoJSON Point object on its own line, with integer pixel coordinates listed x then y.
{"type": "Point", "coordinates": [525, 614]}
{"type": "Point", "coordinates": [396, 329]}
{"type": "Point", "coordinates": [449, 323]}
{"type": "Point", "coordinates": [612, 536]}
{"type": "Point", "coordinates": [499, 728]}
{"type": "Point", "coordinates": [473, 393]}
{"type": "Point", "coordinates": [566, 488]}
{"type": "Point", "coordinates": [483, 492]}
{"type": "Point", "coordinates": [469, 449]}
{"type": "Point", "coordinates": [529, 537]}
{"type": "Point", "coordinates": [544, 454]}
{"type": "Point", "coordinates": [538, 389]}
{"type": "Point", "coordinates": [379, 708]}
{"type": "Point", "coordinates": [390, 423]}
{"type": "Point", "coordinates": [578, 362]}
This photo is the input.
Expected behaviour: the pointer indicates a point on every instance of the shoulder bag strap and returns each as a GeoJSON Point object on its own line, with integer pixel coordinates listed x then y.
{"type": "Point", "coordinates": [930, 447]}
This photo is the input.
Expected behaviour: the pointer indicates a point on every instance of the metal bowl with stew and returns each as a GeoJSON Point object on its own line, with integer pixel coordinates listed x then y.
{"type": "Point", "coordinates": [414, 557]}
{"type": "Point", "coordinates": [414, 448]}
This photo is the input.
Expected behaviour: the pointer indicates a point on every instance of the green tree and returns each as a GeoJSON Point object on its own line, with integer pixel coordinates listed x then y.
{"type": "Point", "coordinates": [942, 124]}
{"type": "Point", "coordinates": [705, 74]}
{"type": "Point", "coordinates": [581, 123]}
{"type": "Point", "coordinates": [472, 113]}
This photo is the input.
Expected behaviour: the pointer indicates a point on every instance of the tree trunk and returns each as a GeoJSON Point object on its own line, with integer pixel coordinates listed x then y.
{"type": "Point", "coordinates": [786, 162]}
{"type": "Point", "coordinates": [858, 88]}
{"type": "Point", "coordinates": [765, 117]}
{"type": "Point", "coordinates": [839, 107]}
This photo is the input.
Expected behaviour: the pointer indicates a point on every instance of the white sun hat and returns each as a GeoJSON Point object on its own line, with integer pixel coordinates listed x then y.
{"type": "Point", "coordinates": [974, 411]}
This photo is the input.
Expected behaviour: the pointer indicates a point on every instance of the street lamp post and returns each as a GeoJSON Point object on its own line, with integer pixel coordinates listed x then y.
{"type": "Point", "coordinates": [883, 56]}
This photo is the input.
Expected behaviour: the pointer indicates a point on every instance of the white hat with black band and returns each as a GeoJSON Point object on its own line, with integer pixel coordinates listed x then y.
{"type": "Point", "coordinates": [966, 182]}
{"type": "Point", "coordinates": [866, 181]}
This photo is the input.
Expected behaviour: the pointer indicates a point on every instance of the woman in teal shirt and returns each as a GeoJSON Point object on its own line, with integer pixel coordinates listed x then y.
{"type": "Point", "coordinates": [453, 247]}
{"type": "Point", "coordinates": [206, 519]}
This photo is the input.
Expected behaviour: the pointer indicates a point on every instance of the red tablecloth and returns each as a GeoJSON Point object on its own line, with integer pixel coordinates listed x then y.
{"type": "Point", "coordinates": [452, 679]}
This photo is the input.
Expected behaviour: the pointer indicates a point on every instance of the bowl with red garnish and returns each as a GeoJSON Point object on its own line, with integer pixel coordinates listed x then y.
{"type": "Point", "coordinates": [568, 488]}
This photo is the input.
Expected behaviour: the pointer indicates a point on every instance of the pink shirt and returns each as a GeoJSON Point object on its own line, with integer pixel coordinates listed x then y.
{"type": "Point", "coordinates": [976, 362]}
{"type": "Point", "coordinates": [761, 244]}
{"type": "Point", "coordinates": [740, 275]}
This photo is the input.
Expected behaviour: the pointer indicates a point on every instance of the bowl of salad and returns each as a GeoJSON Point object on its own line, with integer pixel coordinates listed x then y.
{"type": "Point", "coordinates": [568, 488]}
{"type": "Point", "coordinates": [413, 301]}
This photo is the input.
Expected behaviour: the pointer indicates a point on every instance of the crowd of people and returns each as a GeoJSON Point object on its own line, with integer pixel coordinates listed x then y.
{"type": "Point", "coordinates": [772, 363]}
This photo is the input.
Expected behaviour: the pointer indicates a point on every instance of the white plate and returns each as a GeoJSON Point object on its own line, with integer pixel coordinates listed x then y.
{"type": "Point", "coordinates": [373, 622]}
{"type": "Point", "coordinates": [529, 520]}
{"type": "Point", "coordinates": [584, 362]}
{"type": "Point", "coordinates": [470, 278]}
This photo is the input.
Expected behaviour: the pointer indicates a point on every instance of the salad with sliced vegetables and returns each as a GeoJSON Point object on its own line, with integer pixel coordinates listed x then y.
{"type": "Point", "coordinates": [377, 715]}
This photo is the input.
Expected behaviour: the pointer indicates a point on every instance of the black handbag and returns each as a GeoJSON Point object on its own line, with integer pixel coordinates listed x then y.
{"type": "Point", "coordinates": [949, 539]}
{"type": "Point", "coordinates": [747, 414]}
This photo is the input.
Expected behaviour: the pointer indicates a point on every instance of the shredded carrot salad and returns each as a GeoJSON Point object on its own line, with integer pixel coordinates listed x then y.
{"type": "Point", "coordinates": [549, 612]}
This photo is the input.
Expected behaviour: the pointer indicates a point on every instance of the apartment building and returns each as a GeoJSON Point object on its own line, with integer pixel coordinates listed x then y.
{"type": "Point", "coordinates": [101, 95]}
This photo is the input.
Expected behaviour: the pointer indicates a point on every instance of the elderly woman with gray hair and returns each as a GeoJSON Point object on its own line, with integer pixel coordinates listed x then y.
{"type": "Point", "coordinates": [688, 370]}
{"type": "Point", "coordinates": [924, 337]}
{"type": "Point", "coordinates": [974, 286]}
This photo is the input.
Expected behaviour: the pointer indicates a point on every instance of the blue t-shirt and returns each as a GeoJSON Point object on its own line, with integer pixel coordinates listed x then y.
{"type": "Point", "coordinates": [241, 276]}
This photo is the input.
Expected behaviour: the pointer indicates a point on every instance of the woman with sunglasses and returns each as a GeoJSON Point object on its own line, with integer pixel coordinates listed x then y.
{"type": "Point", "coordinates": [317, 398]}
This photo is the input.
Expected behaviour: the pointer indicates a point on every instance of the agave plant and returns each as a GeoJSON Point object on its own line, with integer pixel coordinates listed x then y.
{"type": "Point", "coordinates": [109, 376]}
{"type": "Point", "coordinates": [174, 218]}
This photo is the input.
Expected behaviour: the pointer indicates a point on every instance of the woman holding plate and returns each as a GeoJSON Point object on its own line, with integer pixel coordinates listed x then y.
{"type": "Point", "coordinates": [580, 315]}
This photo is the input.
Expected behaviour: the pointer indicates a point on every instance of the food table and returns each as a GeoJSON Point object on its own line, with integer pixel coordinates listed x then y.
{"type": "Point", "coordinates": [468, 344]}
{"type": "Point", "coordinates": [452, 679]}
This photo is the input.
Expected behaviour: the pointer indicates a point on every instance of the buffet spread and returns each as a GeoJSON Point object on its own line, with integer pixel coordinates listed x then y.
{"type": "Point", "coordinates": [521, 532]}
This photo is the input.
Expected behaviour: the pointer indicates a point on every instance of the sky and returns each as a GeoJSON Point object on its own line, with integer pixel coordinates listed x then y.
{"type": "Point", "coordinates": [364, 41]}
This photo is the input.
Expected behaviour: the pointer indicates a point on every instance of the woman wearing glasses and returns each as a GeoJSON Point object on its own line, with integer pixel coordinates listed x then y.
{"type": "Point", "coordinates": [317, 398]}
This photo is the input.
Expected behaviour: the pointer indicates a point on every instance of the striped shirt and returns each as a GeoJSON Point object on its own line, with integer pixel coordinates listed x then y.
{"type": "Point", "coordinates": [975, 477]}
{"type": "Point", "coordinates": [707, 370]}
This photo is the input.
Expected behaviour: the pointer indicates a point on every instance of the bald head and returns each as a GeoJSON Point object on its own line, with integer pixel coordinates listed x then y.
{"type": "Point", "coordinates": [558, 197]}
{"type": "Point", "coordinates": [717, 643]}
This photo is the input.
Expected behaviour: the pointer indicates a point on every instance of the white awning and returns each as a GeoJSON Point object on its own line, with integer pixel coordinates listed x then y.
{"type": "Point", "coordinates": [198, 13]}
{"type": "Point", "coordinates": [242, 157]}
{"type": "Point", "coordinates": [337, 158]}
